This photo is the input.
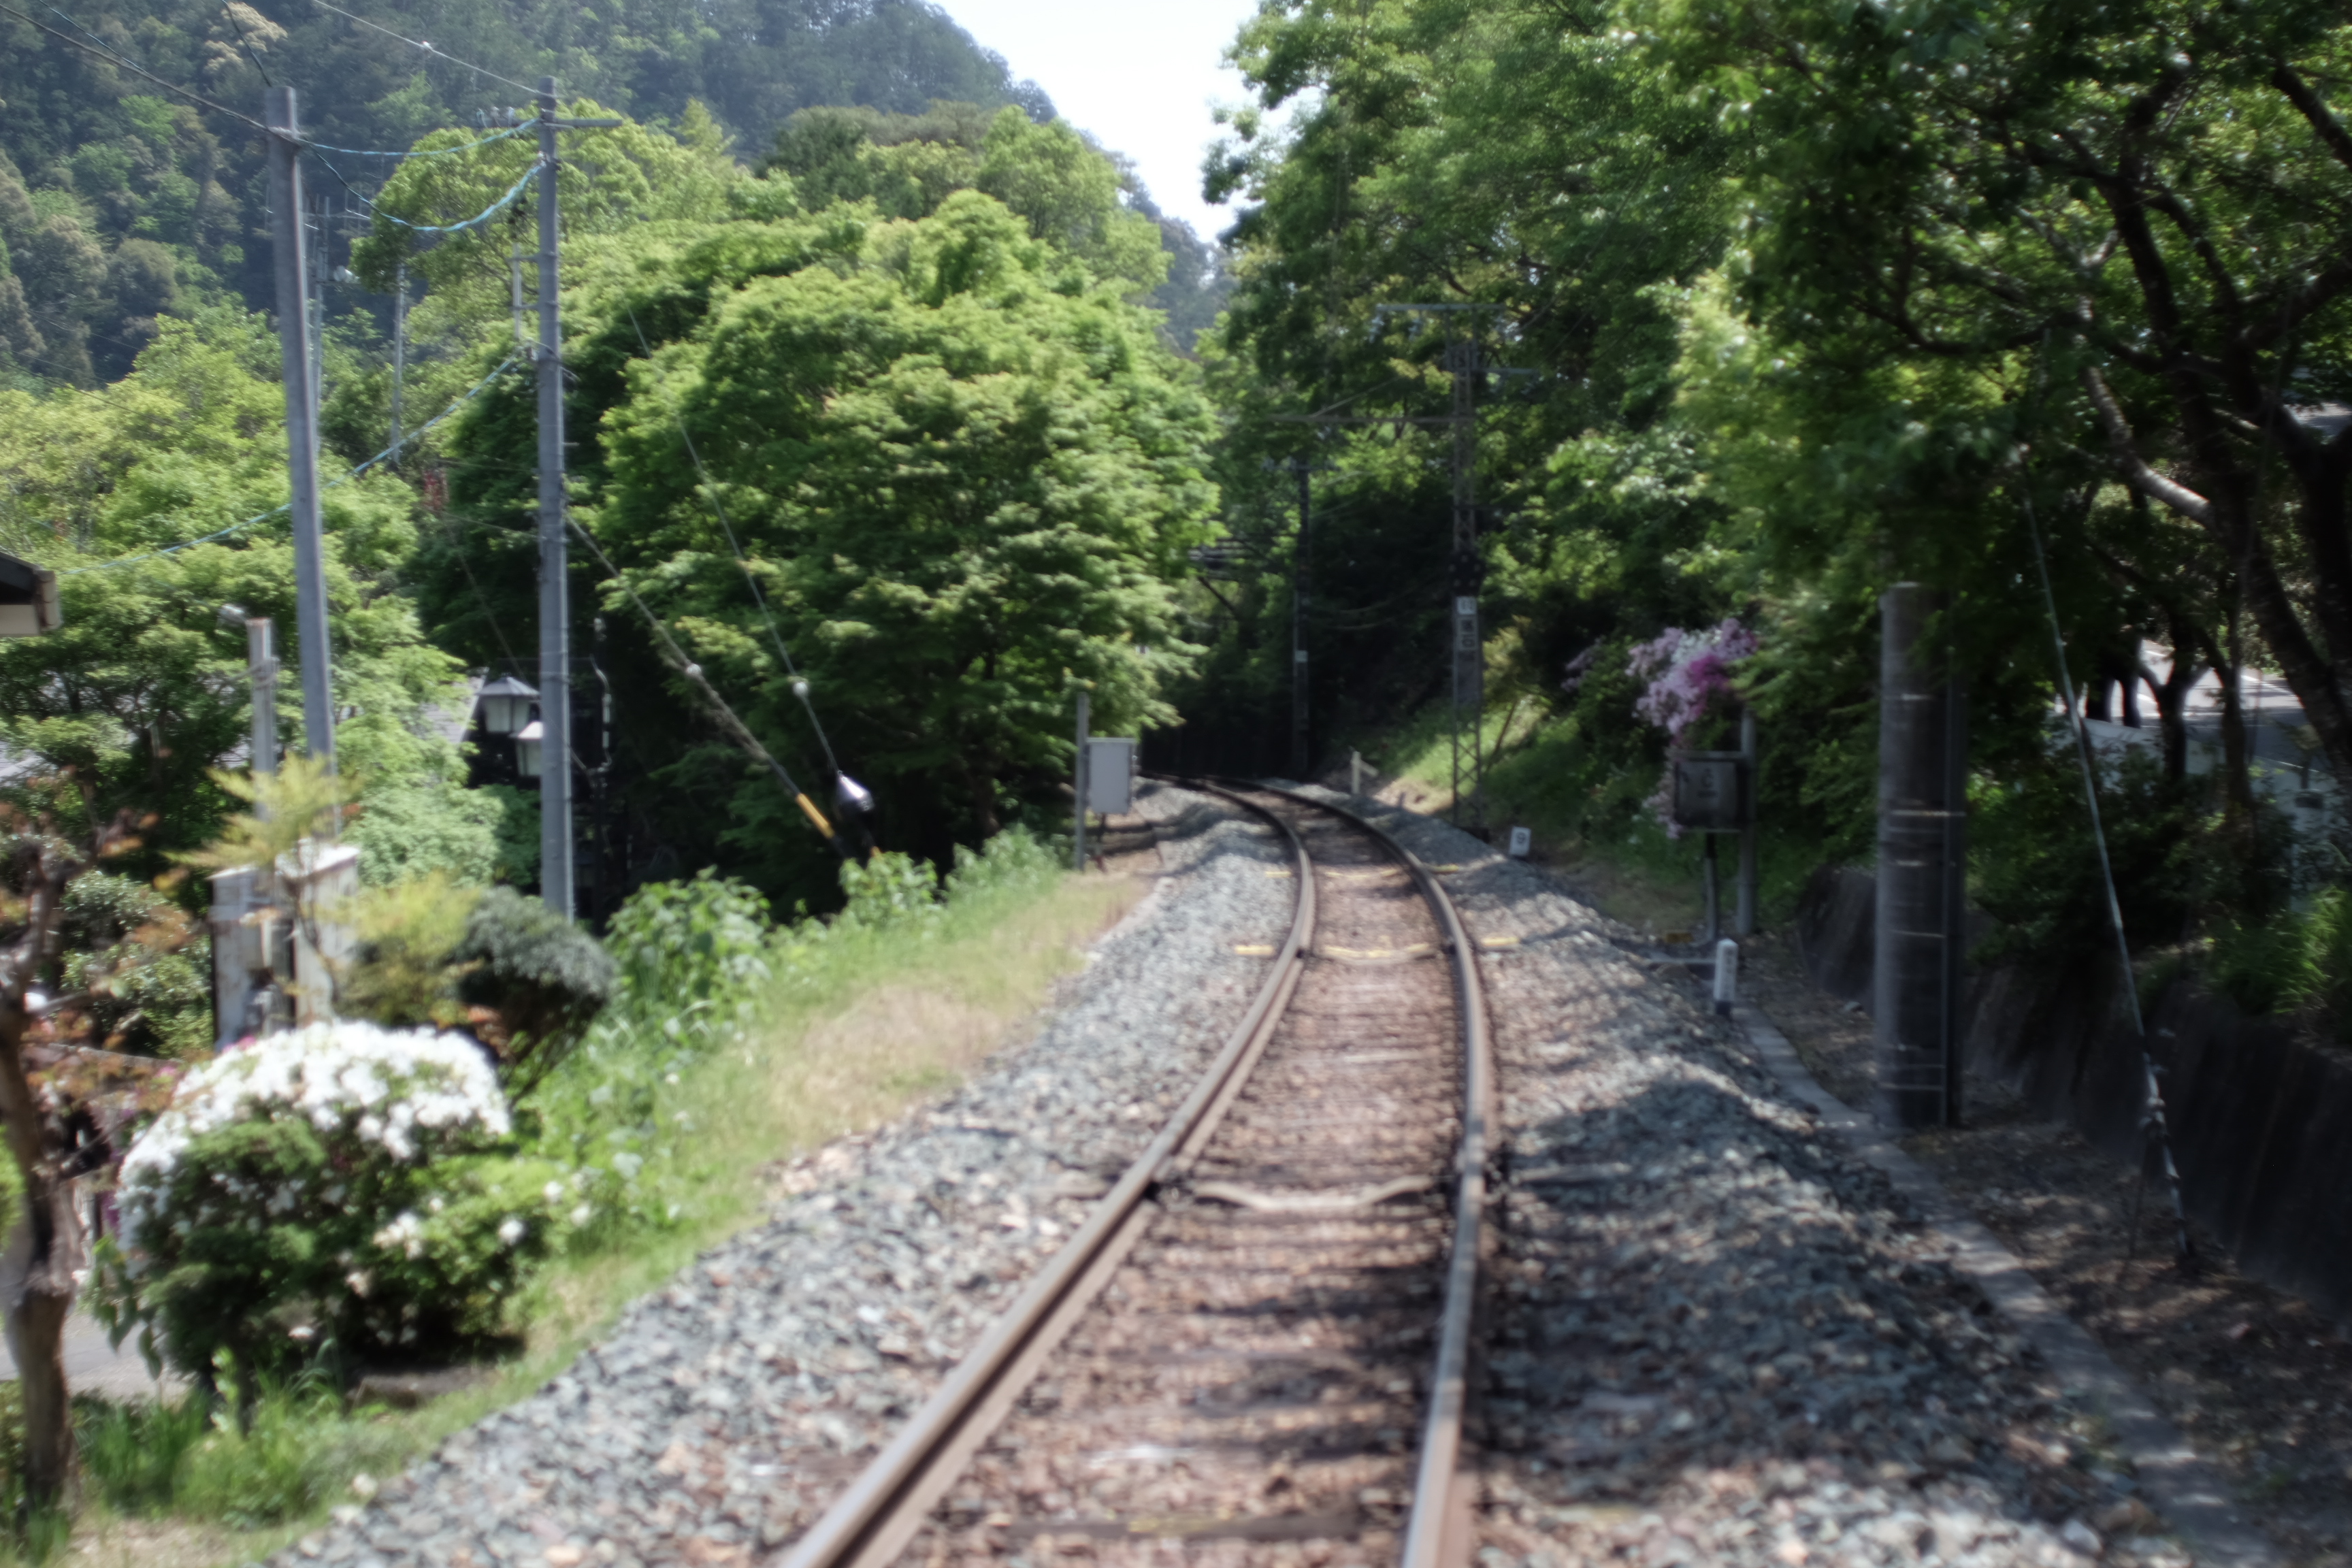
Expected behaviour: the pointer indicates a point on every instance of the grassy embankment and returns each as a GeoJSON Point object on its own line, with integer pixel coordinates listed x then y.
{"type": "Point", "coordinates": [1583, 811]}
{"type": "Point", "coordinates": [854, 1030]}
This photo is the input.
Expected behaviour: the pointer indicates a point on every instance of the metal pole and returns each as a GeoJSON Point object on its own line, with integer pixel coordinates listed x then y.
{"type": "Point", "coordinates": [1299, 568]}
{"type": "Point", "coordinates": [1469, 661]}
{"type": "Point", "coordinates": [1714, 892]}
{"type": "Point", "coordinates": [1078, 776]}
{"type": "Point", "coordinates": [1956, 889]}
{"type": "Point", "coordinates": [555, 561]}
{"type": "Point", "coordinates": [399, 344]}
{"type": "Point", "coordinates": [261, 666]}
{"type": "Point", "coordinates": [286, 233]}
{"type": "Point", "coordinates": [1913, 942]}
{"type": "Point", "coordinates": [1743, 922]}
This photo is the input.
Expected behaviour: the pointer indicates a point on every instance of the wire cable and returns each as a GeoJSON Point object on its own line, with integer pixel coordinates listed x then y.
{"type": "Point", "coordinates": [512, 131]}
{"type": "Point", "coordinates": [243, 43]}
{"type": "Point", "coordinates": [800, 686]}
{"type": "Point", "coordinates": [423, 44]}
{"type": "Point", "coordinates": [728, 720]}
{"type": "Point", "coordinates": [479, 218]}
{"type": "Point", "coordinates": [198, 99]}
{"type": "Point", "coordinates": [219, 533]}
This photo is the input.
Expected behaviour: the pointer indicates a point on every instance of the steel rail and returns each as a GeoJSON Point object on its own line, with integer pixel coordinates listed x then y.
{"type": "Point", "coordinates": [871, 1523]}
{"type": "Point", "coordinates": [1437, 1530]}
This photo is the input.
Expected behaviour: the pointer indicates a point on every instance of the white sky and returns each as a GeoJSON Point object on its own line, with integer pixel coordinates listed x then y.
{"type": "Point", "coordinates": [1140, 74]}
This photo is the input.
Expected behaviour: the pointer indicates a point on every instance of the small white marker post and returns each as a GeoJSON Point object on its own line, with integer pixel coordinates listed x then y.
{"type": "Point", "coordinates": [1727, 976]}
{"type": "Point", "coordinates": [1355, 773]}
{"type": "Point", "coordinates": [1522, 841]}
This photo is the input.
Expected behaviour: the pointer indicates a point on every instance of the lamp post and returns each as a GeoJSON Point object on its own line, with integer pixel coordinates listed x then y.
{"type": "Point", "coordinates": [530, 748]}
{"type": "Point", "coordinates": [505, 705]}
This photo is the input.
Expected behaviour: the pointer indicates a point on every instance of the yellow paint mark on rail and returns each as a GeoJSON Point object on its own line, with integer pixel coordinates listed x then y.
{"type": "Point", "coordinates": [1254, 948]}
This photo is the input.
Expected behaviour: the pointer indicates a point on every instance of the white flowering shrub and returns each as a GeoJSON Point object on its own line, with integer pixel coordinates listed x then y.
{"type": "Point", "coordinates": [341, 1186]}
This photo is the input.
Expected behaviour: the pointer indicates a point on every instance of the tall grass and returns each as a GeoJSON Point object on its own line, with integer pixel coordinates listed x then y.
{"type": "Point", "coordinates": [841, 1027]}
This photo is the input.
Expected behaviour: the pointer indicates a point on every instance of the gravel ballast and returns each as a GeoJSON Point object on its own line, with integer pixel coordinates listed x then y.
{"type": "Point", "coordinates": [1714, 1335]}
{"type": "Point", "coordinates": [722, 1414]}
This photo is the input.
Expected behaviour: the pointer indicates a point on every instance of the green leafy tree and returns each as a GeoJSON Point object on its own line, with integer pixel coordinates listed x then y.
{"type": "Point", "coordinates": [963, 480]}
{"type": "Point", "coordinates": [2105, 242]}
{"type": "Point", "coordinates": [142, 694]}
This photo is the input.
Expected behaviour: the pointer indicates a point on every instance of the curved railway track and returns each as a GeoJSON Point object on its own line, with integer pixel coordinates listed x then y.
{"type": "Point", "coordinates": [1260, 1337]}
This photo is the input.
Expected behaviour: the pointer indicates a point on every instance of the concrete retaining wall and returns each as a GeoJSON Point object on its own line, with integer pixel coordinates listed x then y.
{"type": "Point", "coordinates": [2262, 1122]}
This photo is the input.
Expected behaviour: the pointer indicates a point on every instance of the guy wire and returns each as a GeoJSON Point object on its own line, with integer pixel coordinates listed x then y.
{"type": "Point", "coordinates": [728, 720]}
{"type": "Point", "coordinates": [426, 46]}
{"type": "Point", "coordinates": [2154, 1122]}
{"type": "Point", "coordinates": [711, 490]}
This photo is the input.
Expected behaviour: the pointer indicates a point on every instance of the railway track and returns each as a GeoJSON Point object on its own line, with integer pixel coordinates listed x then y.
{"type": "Point", "coordinates": [1259, 1340]}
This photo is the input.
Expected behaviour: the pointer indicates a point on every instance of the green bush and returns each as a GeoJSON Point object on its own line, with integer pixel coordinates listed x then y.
{"type": "Point", "coordinates": [336, 1191]}
{"type": "Point", "coordinates": [681, 947]}
{"type": "Point", "coordinates": [402, 975]}
{"type": "Point", "coordinates": [472, 835]}
{"type": "Point", "coordinates": [544, 977]}
{"type": "Point", "coordinates": [886, 889]}
{"type": "Point", "coordinates": [1013, 859]}
{"type": "Point", "coordinates": [2177, 860]}
{"type": "Point", "coordinates": [100, 909]}
{"type": "Point", "coordinates": [2295, 962]}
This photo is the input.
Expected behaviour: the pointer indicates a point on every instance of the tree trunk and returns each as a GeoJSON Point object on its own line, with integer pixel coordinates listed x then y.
{"type": "Point", "coordinates": [982, 783]}
{"type": "Point", "coordinates": [2172, 710]}
{"type": "Point", "coordinates": [38, 1298]}
{"type": "Point", "coordinates": [2237, 784]}
{"type": "Point", "coordinates": [44, 1293]}
{"type": "Point", "coordinates": [37, 1307]}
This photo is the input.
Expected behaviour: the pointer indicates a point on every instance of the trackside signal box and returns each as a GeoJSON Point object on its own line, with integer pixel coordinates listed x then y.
{"type": "Point", "coordinates": [1712, 792]}
{"type": "Point", "coordinates": [1110, 775]}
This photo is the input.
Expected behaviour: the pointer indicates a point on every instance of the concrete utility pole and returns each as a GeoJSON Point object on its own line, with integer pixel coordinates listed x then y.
{"type": "Point", "coordinates": [1922, 751]}
{"type": "Point", "coordinates": [286, 236]}
{"type": "Point", "coordinates": [1081, 783]}
{"type": "Point", "coordinates": [399, 344]}
{"type": "Point", "coordinates": [1301, 582]}
{"type": "Point", "coordinates": [261, 668]}
{"type": "Point", "coordinates": [554, 556]}
{"type": "Point", "coordinates": [1300, 573]}
{"type": "Point", "coordinates": [1743, 920]}
{"type": "Point", "coordinates": [1469, 646]}
{"type": "Point", "coordinates": [555, 846]}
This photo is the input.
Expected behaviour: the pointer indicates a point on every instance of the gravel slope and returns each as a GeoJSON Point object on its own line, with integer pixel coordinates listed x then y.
{"type": "Point", "coordinates": [723, 1413]}
{"type": "Point", "coordinates": [1712, 1334]}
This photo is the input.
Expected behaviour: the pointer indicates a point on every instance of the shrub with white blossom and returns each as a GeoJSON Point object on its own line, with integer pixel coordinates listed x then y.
{"type": "Point", "coordinates": [344, 1186]}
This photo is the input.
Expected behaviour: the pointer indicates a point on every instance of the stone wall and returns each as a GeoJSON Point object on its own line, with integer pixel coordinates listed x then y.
{"type": "Point", "coordinates": [2262, 1122]}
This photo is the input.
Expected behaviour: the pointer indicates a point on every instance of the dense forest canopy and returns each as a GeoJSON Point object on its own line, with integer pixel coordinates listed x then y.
{"type": "Point", "coordinates": [122, 201]}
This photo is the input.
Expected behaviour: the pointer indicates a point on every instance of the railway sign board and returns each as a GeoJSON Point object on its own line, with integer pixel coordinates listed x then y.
{"type": "Point", "coordinates": [1712, 792]}
{"type": "Point", "coordinates": [1110, 775]}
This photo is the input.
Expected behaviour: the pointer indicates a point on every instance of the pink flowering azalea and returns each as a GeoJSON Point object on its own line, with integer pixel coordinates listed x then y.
{"type": "Point", "coordinates": [1687, 673]}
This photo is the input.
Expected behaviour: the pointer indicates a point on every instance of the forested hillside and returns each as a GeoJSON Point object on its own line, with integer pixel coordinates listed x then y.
{"type": "Point", "coordinates": [122, 201]}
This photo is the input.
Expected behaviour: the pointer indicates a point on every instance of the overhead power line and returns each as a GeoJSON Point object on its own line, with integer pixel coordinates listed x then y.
{"type": "Point", "coordinates": [800, 686]}
{"type": "Point", "coordinates": [737, 731]}
{"type": "Point", "coordinates": [479, 218]}
{"type": "Point", "coordinates": [530, 125]}
{"type": "Point", "coordinates": [235, 528]}
{"type": "Point", "coordinates": [111, 58]}
{"type": "Point", "coordinates": [422, 45]}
